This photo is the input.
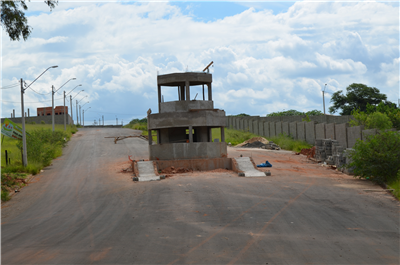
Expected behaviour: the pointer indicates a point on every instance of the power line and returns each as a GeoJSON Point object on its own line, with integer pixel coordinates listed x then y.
{"type": "Point", "coordinates": [29, 102]}
{"type": "Point", "coordinates": [10, 86]}
{"type": "Point", "coordinates": [38, 92]}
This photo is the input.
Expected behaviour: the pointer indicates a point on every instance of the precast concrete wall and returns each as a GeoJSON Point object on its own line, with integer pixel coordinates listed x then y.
{"type": "Point", "coordinates": [330, 131]}
{"type": "Point", "coordinates": [310, 132]}
{"type": "Point", "coordinates": [366, 133]}
{"type": "Point", "coordinates": [354, 133]}
{"type": "Point", "coordinates": [293, 130]}
{"type": "Point", "coordinates": [278, 128]}
{"type": "Point", "coordinates": [261, 127]}
{"type": "Point", "coordinates": [241, 124]}
{"type": "Point", "coordinates": [245, 125]}
{"type": "Point", "coordinates": [320, 131]}
{"type": "Point", "coordinates": [301, 131]}
{"type": "Point", "coordinates": [58, 119]}
{"type": "Point", "coordinates": [272, 131]}
{"type": "Point", "coordinates": [255, 127]}
{"type": "Point", "coordinates": [266, 129]}
{"type": "Point", "coordinates": [285, 128]}
{"type": "Point", "coordinates": [341, 134]}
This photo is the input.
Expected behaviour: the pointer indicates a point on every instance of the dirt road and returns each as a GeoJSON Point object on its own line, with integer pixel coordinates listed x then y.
{"type": "Point", "coordinates": [82, 210]}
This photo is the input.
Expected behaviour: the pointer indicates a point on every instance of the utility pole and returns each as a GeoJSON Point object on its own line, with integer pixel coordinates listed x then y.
{"type": "Point", "coordinates": [24, 152]}
{"type": "Point", "coordinates": [72, 117]}
{"type": "Point", "coordinates": [52, 108]}
{"type": "Point", "coordinates": [103, 119]}
{"type": "Point", "coordinates": [77, 119]}
{"type": "Point", "coordinates": [323, 97]}
{"type": "Point", "coordinates": [117, 121]}
{"type": "Point", "coordinates": [80, 115]}
{"type": "Point", "coordinates": [65, 118]}
{"type": "Point", "coordinates": [83, 113]}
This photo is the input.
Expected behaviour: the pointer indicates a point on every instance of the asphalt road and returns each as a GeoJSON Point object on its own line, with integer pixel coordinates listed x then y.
{"type": "Point", "coordinates": [81, 210]}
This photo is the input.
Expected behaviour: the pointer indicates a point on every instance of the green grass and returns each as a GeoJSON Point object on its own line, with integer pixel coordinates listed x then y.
{"type": "Point", "coordinates": [288, 143]}
{"type": "Point", "coordinates": [396, 186]}
{"type": "Point", "coordinates": [14, 153]}
{"type": "Point", "coordinates": [236, 137]}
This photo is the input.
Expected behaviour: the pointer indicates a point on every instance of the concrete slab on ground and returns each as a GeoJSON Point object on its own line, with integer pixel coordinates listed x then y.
{"type": "Point", "coordinates": [245, 165]}
{"type": "Point", "coordinates": [146, 171]}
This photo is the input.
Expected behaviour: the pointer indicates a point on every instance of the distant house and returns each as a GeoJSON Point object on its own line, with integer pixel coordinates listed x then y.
{"type": "Point", "coordinates": [46, 111]}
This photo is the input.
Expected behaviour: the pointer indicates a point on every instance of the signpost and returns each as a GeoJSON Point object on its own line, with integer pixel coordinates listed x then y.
{"type": "Point", "coordinates": [11, 130]}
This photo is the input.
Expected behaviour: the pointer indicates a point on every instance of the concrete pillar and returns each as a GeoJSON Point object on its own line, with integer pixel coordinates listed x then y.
{"type": "Point", "coordinates": [209, 135]}
{"type": "Point", "coordinates": [25, 114]}
{"type": "Point", "coordinates": [150, 138]}
{"type": "Point", "coordinates": [187, 85]}
{"type": "Point", "coordinates": [222, 134]}
{"type": "Point", "coordinates": [190, 134]}
{"type": "Point", "coordinates": [14, 113]}
{"type": "Point", "coordinates": [159, 98]}
{"type": "Point", "coordinates": [209, 92]}
{"type": "Point", "coordinates": [28, 113]}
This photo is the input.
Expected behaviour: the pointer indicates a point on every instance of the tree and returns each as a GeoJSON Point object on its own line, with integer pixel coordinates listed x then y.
{"type": "Point", "coordinates": [357, 97]}
{"type": "Point", "coordinates": [13, 18]}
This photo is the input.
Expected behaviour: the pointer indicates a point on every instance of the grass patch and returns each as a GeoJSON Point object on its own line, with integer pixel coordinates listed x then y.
{"type": "Point", "coordinates": [11, 182]}
{"type": "Point", "coordinates": [142, 127]}
{"type": "Point", "coordinates": [288, 143]}
{"type": "Point", "coordinates": [236, 137]}
{"type": "Point", "coordinates": [396, 186]}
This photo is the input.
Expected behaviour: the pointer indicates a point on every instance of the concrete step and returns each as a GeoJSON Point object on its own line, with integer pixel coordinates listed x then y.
{"type": "Point", "coordinates": [146, 171]}
{"type": "Point", "coordinates": [245, 165]}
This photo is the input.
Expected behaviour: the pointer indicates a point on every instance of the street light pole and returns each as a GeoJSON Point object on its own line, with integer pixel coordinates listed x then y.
{"type": "Point", "coordinates": [24, 151]}
{"type": "Point", "coordinates": [65, 117]}
{"type": "Point", "coordinates": [77, 118]}
{"type": "Point", "coordinates": [80, 114]}
{"type": "Point", "coordinates": [323, 97]}
{"type": "Point", "coordinates": [52, 106]}
{"type": "Point", "coordinates": [72, 117]}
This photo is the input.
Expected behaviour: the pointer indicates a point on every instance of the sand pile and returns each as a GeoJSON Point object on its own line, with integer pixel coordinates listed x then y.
{"type": "Point", "coordinates": [252, 140]}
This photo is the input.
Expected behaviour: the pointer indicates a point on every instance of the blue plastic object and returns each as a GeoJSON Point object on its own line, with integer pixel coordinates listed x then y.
{"type": "Point", "coordinates": [266, 164]}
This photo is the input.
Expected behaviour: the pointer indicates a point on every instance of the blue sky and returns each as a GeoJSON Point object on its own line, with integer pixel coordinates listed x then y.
{"type": "Point", "coordinates": [268, 56]}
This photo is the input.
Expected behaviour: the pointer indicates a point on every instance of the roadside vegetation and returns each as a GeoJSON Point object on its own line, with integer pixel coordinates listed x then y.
{"type": "Point", "coordinates": [383, 116]}
{"type": "Point", "coordinates": [43, 145]}
{"type": "Point", "coordinates": [293, 112]}
{"type": "Point", "coordinates": [377, 158]}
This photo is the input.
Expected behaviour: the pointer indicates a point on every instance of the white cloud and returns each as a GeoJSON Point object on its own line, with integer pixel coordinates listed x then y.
{"type": "Point", "coordinates": [262, 62]}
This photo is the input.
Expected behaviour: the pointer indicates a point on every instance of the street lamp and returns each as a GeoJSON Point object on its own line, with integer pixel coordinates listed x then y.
{"type": "Point", "coordinates": [77, 118]}
{"type": "Point", "coordinates": [52, 102]}
{"type": "Point", "coordinates": [84, 115]}
{"type": "Point", "coordinates": [70, 96]}
{"type": "Point", "coordinates": [323, 97]}
{"type": "Point", "coordinates": [24, 152]}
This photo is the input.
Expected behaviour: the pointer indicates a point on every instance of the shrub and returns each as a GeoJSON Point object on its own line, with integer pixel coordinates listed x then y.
{"type": "Point", "coordinates": [42, 122]}
{"type": "Point", "coordinates": [377, 157]}
{"type": "Point", "coordinates": [33, 122]}
{"type": "Point", "coordinates": [375, 120]}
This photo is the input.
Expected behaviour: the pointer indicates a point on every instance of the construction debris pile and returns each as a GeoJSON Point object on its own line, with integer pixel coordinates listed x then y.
{"type": "Point", "coordinates": [173, 170]}
{"type": "Point", "coordinates": [259, 142]}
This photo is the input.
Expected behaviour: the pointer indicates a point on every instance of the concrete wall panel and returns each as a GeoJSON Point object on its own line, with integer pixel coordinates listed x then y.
{"type": "Point", "coordinates": [366, 133]}
{"type": "Point", "coordinates": [261, 127]}
{"type": "Point", "coordinates": [341, 134]}
{"type": "Point", "coordinates": [266, 129]}
{"type": "Point", "coordinates": [255, 127]}
{"type": "Point", "coordinates": [272, 131]}
{"type": "Point", "coordinates": [278, 128]}
{"type": "Point", "coordinates": [301, 131]}
{"type": "Point", "coordinates": [285, 128]}
{"type": "Point", "coordinates": [58, 119]}
{"type": "Point", "coordinates": [330, 131]}
{"type": "Point", "coordinates": [310, 132]}
{"type": "Point", "coordinates": [354, 134]}
{"type": "Point", "coordinates": [293, 130]}
{"type": "Point", "coordinates": [320, 131]}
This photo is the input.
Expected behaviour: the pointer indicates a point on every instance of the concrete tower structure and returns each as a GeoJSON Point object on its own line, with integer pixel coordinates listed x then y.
{"type": "Point", "coordinates": [184, 126]}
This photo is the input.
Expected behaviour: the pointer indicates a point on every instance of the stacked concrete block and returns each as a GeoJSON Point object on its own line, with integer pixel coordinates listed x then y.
{"type": "Point", "coordinates": [293, 130]}
{"type": "Point", "coordinates": [310, 132]}
{"type": "Point", "coordinates": [341, 134]}
{"type": "Point", "coordinates": [266, 129]}
{"type": "Point", "coordinates": [278, 128]}
{"type": "Point", "coordinates": [320, 131]}
{"type": "Point", "coordinates": [301, 131]}
{"type": "Point", "coordinates": [330, 131]}
{"type": "Point", "coordinates": [354, 134]}
{"type": "Point", "coordinates": [366, 133]}
{"type": "Point", "coordinates": [285, 128]}
{"type": "Point", "coordinates": [272, 131]}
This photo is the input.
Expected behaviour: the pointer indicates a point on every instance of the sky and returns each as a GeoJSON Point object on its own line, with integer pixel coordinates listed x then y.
{"type": "Point", "coordinates": [268, 56]}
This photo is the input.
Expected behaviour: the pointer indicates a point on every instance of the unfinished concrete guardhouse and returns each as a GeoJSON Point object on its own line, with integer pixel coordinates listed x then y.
{"type": "Point", "coordinates": [184, 126]}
